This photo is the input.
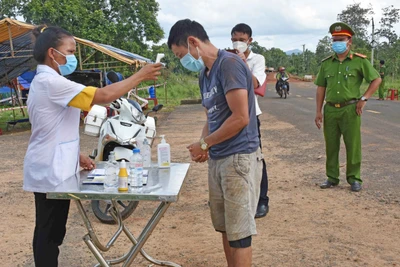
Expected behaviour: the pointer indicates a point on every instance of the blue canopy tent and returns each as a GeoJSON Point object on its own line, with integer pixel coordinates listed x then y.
{"type": "Point", "coordinates": [5, 94]}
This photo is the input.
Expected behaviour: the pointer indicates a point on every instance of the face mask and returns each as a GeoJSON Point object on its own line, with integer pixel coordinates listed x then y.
{"type": "Point", "coordinates": [192, 64]}
{"type": "Point", "coordinates": [339, 47]}
{"type": "Point", "coordinates": [70, 65]}
{"type": "Point", "coordinates": [240, 46]}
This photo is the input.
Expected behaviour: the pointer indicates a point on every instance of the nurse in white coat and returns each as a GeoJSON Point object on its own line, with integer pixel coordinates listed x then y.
{"type": "Point", "coordinates": [53, 155]}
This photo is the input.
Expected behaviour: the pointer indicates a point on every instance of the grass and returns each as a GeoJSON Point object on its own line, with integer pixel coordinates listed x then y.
{"type": "Point", "coordinates": [17, 114]}
{"type": "Point", "coordinates": [178, 87]}
{"type": "Point", "coordinates": [389, 83]}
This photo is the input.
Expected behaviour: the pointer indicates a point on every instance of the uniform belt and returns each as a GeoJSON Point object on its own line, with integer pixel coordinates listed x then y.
{"type": "Point", "coordinates": [343, 104]}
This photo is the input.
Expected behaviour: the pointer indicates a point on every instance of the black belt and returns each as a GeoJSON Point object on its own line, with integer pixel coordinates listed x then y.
{"type": "Point", "coordinates": [340, 105]}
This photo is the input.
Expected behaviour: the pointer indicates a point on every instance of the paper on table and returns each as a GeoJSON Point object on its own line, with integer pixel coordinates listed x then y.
{"type": "Point", "coordinates": [94, 180]}
{"type": "Point", "coordinates": [97, 172]}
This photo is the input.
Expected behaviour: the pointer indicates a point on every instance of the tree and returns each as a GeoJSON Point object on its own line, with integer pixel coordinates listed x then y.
{"type": "Point", "coordinates": [323, 49]}
{"type": "Point", "coordinates": [9, 8]}
{"type": "Point", "coordinates": [357, 18]}
{"type": "Point", "coordinates": [277, 58]}
{"type": "Point", "coordinates": [126, 24]}
{"type": "Point", "coordinates": [258, 49]}
{"type": "Point", "coordinates": [390, 17]}
{"type": "Point", "coordinates": [389, 49]}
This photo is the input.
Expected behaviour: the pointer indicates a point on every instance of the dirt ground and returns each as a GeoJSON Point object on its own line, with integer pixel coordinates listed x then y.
{"type": "Point", "coordinates": [306, 226]}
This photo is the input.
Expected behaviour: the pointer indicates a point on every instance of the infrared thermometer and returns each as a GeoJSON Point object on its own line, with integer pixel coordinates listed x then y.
{"type": "Point", "coordinates": [159, 57]}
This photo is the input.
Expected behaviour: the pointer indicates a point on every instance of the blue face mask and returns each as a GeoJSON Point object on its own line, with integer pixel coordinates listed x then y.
{"type": "Point", "coordinates": [339, 47]}
{"type": "Point", "coordinates": [70, 65]}
{"type": "Point", "coordinates": [192, 64]}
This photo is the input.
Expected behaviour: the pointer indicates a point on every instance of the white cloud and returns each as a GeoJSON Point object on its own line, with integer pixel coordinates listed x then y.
{"type": "Point", "coordinates": [285, 24]}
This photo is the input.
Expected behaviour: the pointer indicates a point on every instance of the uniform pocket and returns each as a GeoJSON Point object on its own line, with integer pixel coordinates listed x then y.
{"type": "Point", "coordinates": [66, 160]}
{"type": "Point", "coordinates": [241, 163]}
{"type": "Point", "coordinates": [351, 76]}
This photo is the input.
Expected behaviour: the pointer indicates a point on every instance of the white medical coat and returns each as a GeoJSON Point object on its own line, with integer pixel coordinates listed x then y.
{"type": "Point", "coordinates": [53, 150]}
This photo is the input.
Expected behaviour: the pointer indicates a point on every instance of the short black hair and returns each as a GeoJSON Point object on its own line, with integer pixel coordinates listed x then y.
{"type": "Point", "coordinates": [243, 28]}
{"type": "Point", "coordinates": [47, 37]}
{"type": "Point", "coordinates": [184, 28]}
{"type": "Point", "coordinates": [382, 62]}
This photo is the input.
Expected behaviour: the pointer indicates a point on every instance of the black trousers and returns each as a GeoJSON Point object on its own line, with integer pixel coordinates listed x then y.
{"type": "Point", "coordinates": [50, 228]}
{"type": "Point", "coordinates": [264, 199]}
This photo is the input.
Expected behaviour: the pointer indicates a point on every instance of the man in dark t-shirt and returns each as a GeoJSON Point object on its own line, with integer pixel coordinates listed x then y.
{"type": "Point", "coordinates": [229, 137]}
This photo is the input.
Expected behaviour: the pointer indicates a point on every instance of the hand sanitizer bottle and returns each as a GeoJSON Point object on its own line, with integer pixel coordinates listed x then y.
{"type": "Point", "coordinates": [164, 154]}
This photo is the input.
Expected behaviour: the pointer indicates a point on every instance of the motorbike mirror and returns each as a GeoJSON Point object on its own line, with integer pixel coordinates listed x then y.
{"type": "Point", "coordinates": [116, 105]}
{"type": "Point", "coordinates": [112, 76]}
{"type": "Point", "coordinates": [157, 107]}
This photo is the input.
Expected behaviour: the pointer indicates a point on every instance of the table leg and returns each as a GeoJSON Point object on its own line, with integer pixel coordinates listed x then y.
{"type": "Point", "coordinates": [95, 251]}
{"type": "Point", "coordinates": [94, 244]}
{"type": "Point", "coordinates": [91, 231]}
{"type": "Point", "coordinates": [148, 229]}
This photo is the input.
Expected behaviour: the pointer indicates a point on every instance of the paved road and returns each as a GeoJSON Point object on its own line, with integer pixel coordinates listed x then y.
{"type": "Point", "coordinates": [380, 135]}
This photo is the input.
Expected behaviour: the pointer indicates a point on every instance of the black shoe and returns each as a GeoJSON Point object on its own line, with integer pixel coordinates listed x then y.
{"type": "Point", "coordinates": [327, 184]}
{"type": "Point", "coordinates": [262, 210]}
{"type": "Point", "coordinates": [356, 186]}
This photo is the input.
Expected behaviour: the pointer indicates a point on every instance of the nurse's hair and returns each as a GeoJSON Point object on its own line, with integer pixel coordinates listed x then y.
{"type": "Point", "coordinates": [47, 37]}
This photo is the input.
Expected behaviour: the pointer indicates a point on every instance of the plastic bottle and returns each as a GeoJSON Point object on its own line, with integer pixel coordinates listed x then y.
{"type": "Point", "coordinates": [122, 177]}
{"type": "Point", "coordinates": [136, 170]}
{"type": "Point", "coordinates": [146, 154]}
{"type": "Point", "coordinates": [111, 173]}
{"type": "Point", "coordinates": [163, 153]}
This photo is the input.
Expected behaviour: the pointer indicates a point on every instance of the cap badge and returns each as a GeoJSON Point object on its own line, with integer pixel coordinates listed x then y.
{"type": "Point", "coordinates": [338, 29]}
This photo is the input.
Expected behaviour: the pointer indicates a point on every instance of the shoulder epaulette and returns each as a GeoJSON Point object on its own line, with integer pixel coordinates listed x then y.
{"type": "Point", "coordinates": [327, 58]}
{"type": "Point", "coordinates": [360, 55]}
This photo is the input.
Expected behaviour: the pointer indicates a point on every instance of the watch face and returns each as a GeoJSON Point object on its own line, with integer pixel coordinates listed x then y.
{"type": "Point", "coordinates": [204, 146]}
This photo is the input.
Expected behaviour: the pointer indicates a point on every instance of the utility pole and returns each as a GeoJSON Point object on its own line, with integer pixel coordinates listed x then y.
{"type": "Point", "coordinates": [304, 62]}
{"type": "Point", "coordinates": [373, 42]}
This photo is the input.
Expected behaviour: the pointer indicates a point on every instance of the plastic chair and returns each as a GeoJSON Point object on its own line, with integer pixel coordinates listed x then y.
{"type": "Point", "coordinates": [392, 94]}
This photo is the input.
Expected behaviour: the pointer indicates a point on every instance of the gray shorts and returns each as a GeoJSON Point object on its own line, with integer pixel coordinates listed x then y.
{"type": "Point", "coordinates": [234, 190]}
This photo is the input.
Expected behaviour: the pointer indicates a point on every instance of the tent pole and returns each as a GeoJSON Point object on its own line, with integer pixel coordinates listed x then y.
{"type": "Point", "coordinates": [10, 38]}
{"type": "Point", "coordinates": [80, 56]}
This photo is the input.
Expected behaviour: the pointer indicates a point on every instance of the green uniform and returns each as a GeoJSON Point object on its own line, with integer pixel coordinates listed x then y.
{"type": "Point", "coordinates": [342, 81]}
{"type": "Point", "coordinates": [382, 71]}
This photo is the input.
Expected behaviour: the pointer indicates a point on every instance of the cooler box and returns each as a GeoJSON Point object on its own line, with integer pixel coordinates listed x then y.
{"type": "Point", "coordinates": [94, 120]}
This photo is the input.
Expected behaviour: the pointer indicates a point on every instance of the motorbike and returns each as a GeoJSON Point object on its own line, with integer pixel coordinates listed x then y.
{"type": "Point", "coordinates": [121, 133]}
{"type": "Point", "coordinates": [283, 86]}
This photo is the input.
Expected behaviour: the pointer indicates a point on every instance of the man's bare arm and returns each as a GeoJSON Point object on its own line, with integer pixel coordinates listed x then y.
{"type": "Point", "coordinates": [204, 132]}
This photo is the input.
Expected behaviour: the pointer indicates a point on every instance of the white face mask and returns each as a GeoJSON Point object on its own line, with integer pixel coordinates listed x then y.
{"type": "Point", "coordinates": [240, 46]}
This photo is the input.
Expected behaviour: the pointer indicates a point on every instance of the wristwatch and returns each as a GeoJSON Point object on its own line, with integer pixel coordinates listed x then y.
{"type": "Point", "coordinates": [203, 144]}
{"type": "Point", "coordinates": [363, 98]}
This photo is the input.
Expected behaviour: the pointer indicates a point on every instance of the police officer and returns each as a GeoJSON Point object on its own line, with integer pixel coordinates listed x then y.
{"type": "Point", "coordinates": [382, 70]}
{"type": "Point", "coordinates": [338, 82]}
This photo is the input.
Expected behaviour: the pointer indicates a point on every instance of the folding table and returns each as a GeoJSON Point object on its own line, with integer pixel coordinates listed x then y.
{"type": "Point", "coordinates": [163, 186]}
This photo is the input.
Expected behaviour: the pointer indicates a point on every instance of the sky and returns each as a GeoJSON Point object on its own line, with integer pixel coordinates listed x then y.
{"type": "Point", "coordinates": [284, 24]}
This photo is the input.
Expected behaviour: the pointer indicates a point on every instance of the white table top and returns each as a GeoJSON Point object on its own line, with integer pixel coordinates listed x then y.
{"type": "Point", "coordinates": [162, 185]}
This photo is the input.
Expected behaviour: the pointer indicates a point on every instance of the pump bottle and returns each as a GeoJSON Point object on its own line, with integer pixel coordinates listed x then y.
{"type": "Point", "coordinates": [164, 154]}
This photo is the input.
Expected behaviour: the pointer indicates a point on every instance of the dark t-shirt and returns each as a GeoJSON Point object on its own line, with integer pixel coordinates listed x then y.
{"type": "Point", "coordinates": [227, 73]}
